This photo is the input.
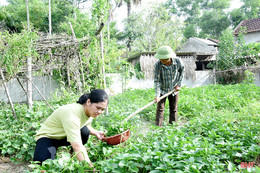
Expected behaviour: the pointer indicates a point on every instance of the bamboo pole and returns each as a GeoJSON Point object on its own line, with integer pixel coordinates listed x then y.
{"type": "Point", "coordinates": [80, 59]}
{"type": "Point", "coordinates": [149, 104]}
{"type": "Point", "coordinates": [50, 17]}
{"type": "Point", "coordinates": [103, 59]}
{"type": "Point", "coordinates": [96, 34]}
{"type": "Point", "coordinates": [29, 64]}
{"type": "Point", "coordinates": [28, 17]}
{"type": "Point", "coordinates": [73, 34]}
{"type": "Point", "coordinates": [40, 93]}
{"type": "Point", "coordinates": [29, 84]}
{"type": "Point", "coordinates": [8, 94]}
{"type": "Point", "coordinates": [21, 85]}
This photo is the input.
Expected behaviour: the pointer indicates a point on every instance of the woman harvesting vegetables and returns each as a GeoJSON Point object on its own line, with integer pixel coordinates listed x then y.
{"type": "Point", "coordinates": [70, 125]}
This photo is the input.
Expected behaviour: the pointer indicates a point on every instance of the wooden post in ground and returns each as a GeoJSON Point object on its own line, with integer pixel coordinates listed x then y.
{"type": "Point", "coordinates": [39, 93]}
{"type": "Point", "coordinates": [8, 95]}
{"type": "Point", "coordinates": [49, 17]}
{"type": "Point", "coordinates": [75, 53]}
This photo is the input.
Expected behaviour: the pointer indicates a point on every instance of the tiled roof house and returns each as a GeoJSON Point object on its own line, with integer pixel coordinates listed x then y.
{"type": "Point", "coordinates": [252, 32]}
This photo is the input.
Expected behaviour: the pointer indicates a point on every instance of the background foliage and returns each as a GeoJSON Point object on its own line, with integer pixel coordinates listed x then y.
{"type": "Point", "coordinates": [234, 54]}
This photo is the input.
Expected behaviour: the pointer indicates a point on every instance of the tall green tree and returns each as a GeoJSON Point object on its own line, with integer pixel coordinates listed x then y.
{"type": "Point", "coordinates": [202, 17]}
{"type": "Point", "coordinates": [14, 15]}
{"type": "Point", "coordinates": [212, 23]}
{"type": "Point", "coordinates": [249, 10]}
{"type": "Point", "coordinates": [236, 16]}
{"type": "Point", "coordinates": [129, 10]}
{"type": "Point", "coordinates": [153, 28]}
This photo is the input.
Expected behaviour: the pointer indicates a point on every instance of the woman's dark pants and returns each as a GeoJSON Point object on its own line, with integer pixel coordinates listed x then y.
{"type": "Point", "coordinates": [46, 148]}
{"type": "Point", "coordinates": [173, 102]}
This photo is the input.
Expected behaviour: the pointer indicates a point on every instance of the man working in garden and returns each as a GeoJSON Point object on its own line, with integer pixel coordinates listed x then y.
{"type": "Point", "coordinates": [169, 72]}
{"type": "Point", "coordinates": [70, 125]}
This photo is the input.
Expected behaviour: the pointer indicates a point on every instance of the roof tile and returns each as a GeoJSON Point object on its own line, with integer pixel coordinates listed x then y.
{"type": "Point", "coordinates": [251, 25]}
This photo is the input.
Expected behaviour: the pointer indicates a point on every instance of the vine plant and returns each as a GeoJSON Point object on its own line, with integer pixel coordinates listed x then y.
{"type": "Point", "coordinates": [234, 54]}
{"type": "Point", "coordinates": [15, 48]}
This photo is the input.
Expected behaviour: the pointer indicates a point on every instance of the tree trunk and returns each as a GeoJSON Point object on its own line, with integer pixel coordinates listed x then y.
{"type": "Point", "coordinates": [75, 53]}
{"type": "Point", "coordinates": [103, 59]}
{"type": "Point", "coordinates": [128, 15]}
{"type": "Point", "coordinates": [128, 9]}
{"type": "Point", "coordinates": [49, 17]}
{"type": "Point", "coordinates": [74, 6]}
{"type": "Point", "coordinates": [28, 18]}
{"type": "Point", "coordinates": [29, 65]}
{"type": "Point", "coordinates": [29, 84]}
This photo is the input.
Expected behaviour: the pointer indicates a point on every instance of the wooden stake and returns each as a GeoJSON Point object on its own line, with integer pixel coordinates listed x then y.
{"type": "Point", "coordinates": [40, 93]}
{"type": "Point", "coordinates": [80, 60]}
{"type": "Point", "coordinates": [21, 85]}
{"type": "Point", "coordinates": [8, 95]}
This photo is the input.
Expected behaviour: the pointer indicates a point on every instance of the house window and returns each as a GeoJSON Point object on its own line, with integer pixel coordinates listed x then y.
{"type": "Point", "coordinates": [203, 65]}
{"type": "Point", "coordinates": [199, 65]}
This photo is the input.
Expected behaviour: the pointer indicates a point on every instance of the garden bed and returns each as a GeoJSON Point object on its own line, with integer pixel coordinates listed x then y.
{"type": "Point", "coordinates": [218, 129]}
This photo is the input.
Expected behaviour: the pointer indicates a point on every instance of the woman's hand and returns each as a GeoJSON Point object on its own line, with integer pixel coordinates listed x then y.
{"type": "Point", "coordinates": [100, 135]}
{"type": "Point", "coordinates": [96, 133]}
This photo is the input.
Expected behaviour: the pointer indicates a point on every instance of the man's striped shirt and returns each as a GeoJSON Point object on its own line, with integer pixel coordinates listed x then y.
{"type": "Point", "coordinates": [167, 77]}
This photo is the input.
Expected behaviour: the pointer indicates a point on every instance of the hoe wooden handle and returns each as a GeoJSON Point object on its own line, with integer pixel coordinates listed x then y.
{"type": "Point", "coordinates": [149, 104]}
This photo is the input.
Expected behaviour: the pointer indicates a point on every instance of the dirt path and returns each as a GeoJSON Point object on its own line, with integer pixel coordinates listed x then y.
{"type": "Point", "coordinates": [7, 166]}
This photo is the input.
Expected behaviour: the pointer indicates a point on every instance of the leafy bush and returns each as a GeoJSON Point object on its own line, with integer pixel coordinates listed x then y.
{"type": "Point", "coordinates": [249, 78]}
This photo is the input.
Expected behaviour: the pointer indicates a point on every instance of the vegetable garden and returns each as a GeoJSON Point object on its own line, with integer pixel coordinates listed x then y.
{"type": "Point", "coordinates": [218, 129]}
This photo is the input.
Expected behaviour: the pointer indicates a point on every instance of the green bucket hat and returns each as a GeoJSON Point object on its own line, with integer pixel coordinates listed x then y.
{"type": "Point", "coordinates": [165, 52]}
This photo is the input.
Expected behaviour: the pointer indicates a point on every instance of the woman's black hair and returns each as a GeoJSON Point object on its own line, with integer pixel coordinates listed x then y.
{"type": "Point", "coordinates": [96, 96]}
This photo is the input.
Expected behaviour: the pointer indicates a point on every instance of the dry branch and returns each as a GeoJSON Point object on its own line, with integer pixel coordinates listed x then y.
{"type": "Point", "coordinates": [101, 26]}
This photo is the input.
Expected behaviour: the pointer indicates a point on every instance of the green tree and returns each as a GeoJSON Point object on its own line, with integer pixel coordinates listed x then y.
{"type": "Point", "coordinates": [236, 16]}
{"type": "Point", "coordinates": [202, 17]}
{"type": "Point", "coordinates": [190, 31]}
{"type": "Point", "coordinates": [13, 16]}
{"type": "Point", "coordinates": [153, 28]}
{"type": "Point", "coordinates": [251, 8]}
{"type": "Point", "coordinates": [129, 3]}
{"type": "Point", "coordinates": [226, 53]}
{"type": "Point", "coordinates": [234, 53]}
{"type": "Point", "coordinates": [212, 23]}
